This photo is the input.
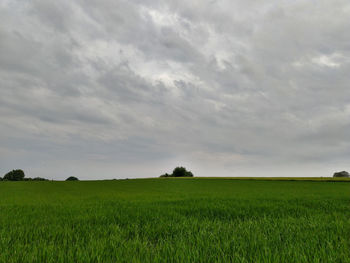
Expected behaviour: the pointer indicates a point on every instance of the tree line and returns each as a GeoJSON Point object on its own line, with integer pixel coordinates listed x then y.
{"type": "Point", "coordinates": [18, 175]}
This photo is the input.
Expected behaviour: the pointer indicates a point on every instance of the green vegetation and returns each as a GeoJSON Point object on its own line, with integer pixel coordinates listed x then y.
{"type": "Point", "coordinates": [179, 172]}
{"type": "Point", "coordinates": [14, 175]}
{"type": "Point", "coordinates": [18, 175]}
{"type": "Point", "coordinates": [72, 178]}
{"type": "Point", "coordinates": [175, 220]}
{"type": "Point", "coordinates": [341, 174]}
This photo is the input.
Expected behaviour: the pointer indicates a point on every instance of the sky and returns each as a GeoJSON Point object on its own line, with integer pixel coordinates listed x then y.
{"type": "Point", "coordinates": [126, 89]}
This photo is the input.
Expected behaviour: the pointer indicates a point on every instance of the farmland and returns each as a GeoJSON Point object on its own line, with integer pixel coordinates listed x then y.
{"type": "Point", "coordinates": [175, 220]}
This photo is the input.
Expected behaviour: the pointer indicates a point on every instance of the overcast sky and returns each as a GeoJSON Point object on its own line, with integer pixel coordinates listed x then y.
{"type": "Point", "coordinates": [116, 89]}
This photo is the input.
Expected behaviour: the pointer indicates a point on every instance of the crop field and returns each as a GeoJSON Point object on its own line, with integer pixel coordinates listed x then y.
{"type": "Point", "coordinates": [175, 220]}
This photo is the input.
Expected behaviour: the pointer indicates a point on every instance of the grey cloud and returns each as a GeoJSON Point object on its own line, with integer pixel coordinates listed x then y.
{"type": "Point", "coordinates": [53, 14]}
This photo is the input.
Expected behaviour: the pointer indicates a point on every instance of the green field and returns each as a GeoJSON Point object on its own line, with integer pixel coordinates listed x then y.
{"type": "Point", "coordinates": [175, 220]}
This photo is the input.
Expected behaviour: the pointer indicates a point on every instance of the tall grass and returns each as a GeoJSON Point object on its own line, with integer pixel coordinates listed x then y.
{"type": "Point", "coordinates": [175, 220]}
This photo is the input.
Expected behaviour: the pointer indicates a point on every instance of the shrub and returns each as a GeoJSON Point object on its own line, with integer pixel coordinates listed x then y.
{"type": "Point", "coordinates": [14, 175]}
{"type": "Point", "coordinates": [341, 174]}
{"type": "Point", "coordinates": [165, 175]}
{"type": "Point", "coordinates": [72, 178]}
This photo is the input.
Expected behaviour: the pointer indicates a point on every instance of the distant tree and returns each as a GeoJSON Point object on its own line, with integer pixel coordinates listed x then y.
{"type": "Point", "coordinates": [0, 178]}
{"type": "Point", "coordinates": [72, 178]}
{"type": "Point", "coordinates": [341, 174]}
{"type": "Point", "coordinates": [178, 172]}
{"type": "Point", "coordinates": [14, 175]}
{"type": "Point", "coordinates": [189, 174]}
{"type": "Point", "coordinates": [181, 172]}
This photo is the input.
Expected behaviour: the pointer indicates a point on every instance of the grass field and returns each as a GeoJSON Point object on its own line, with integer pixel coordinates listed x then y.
{"type": "Point", "coordinates": [175, 220]}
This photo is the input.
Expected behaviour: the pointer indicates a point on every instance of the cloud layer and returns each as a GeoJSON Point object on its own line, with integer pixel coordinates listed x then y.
{"type": "Point", "coordinates": [115, 89]}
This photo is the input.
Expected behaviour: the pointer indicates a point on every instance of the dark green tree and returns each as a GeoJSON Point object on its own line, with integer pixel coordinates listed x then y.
{"type": "Point", "coordinates": [181, 172]}
{"type": "Point", "coordinates": [72, 178]}
{"type": "Point", "coordinates": [14, 175]}
{"type": "Point", "coordinates": [341, 174]}
{"type": "Point", "coordinates": [189, 174]}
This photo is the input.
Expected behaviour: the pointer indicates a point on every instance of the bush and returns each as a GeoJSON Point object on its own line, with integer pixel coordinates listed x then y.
{"type": "Point", "coordinates": [14, 175]}
{"type": "Point", "coordinates": [341, 174]}
{"type": "Point", "coordinates": [72, 178]}
{"type": "Point", "coordinates": [178, 172]}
